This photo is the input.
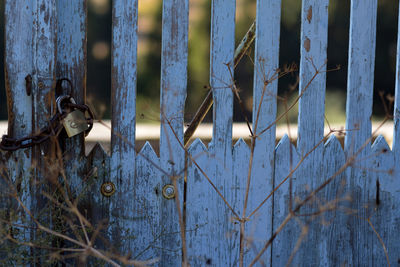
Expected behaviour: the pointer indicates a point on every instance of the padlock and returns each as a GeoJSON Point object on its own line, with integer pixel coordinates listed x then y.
{"type": "Point", "coordinates": [74, 122]}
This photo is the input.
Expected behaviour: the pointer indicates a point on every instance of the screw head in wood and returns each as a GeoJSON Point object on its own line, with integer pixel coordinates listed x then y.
{"type": "Point", "coordinates": [107, 189]}
{"type": "Point", "coordinates": [168, 191]}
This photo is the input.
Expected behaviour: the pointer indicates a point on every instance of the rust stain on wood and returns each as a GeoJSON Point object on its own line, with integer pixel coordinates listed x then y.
{"type": "Point", "coordinates": [307, 44]}
{"type": "Point", "coordinates": [309, 14]}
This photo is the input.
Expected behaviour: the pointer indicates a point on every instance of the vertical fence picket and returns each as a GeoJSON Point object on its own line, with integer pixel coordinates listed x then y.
{"type": "Point", "coordinates": [147, 205]}
{"type": "Point", "coordinates": [314, 33]}
{"type": "Point", "coordinates": [360, 75]}
{"type": "Point", "coordinates": [221, 68]}
{"type": "Point", "coordinates": [335, 246]}
{"type": "Point", "coordinates": [43, 81]}
{"type": "Point", "coordinates": [199, 193]}
{"type": "Point", "coordinates": [286, 159]}
{"type": "Point", "coordinates": [173, 95]}
{"type": "Point", "coordinates": [384, 215]}
{"type": "Point", "coordinates": [71, 64]}
{"type": "Point", "coordinates": [96, 206]}
{"type": "Point", "coordinates": [123, 100]}
{"type": "Point", "coordinates": [240, 168]}
{"type": "Point", "coordinates": [18, 65]}
{"type": "Point", "coordinates": [265, 90]}
{"type": "Point", "coordinates": [358, 121]}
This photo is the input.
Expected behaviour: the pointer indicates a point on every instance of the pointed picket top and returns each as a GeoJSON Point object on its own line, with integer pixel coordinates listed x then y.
{"type": "Point", "coordinates": [380, 145]}
{"type": "Point", "coordinates": [197, 146]}
{"type": "Point", "coordinates": [148, 151]}
{"type": "Point", "coordinates": [384, 164]}
{"type": "Point", "coordinates": [333, 143]}
{"type": "Point", "coordinates": [240, 143]}
{"type": "Point", "coordinates": [283, 142]}
{"type": "Point", "coordinates": [97, 151]}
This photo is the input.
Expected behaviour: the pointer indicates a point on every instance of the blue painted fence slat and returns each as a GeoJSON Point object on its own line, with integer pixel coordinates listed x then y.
{"type": "Point", "coordinates": [174, 56]}
{"type": "Point", "coordinates": [122, 173]}
{"type": "Point", "coordinates": [334, 201]}
{"type": "Point", "coordinates": [199, 206]}
{"type": "Point", "coordinates": [71, 64]}
{"type": "Point", "coordinates": [358, 124]}
{"type": "Point", "coordinates": [147, 228]}
{"type": "Point", "coordinates": [43, 80]}
{"type": "Point", "coordinates": [360, 75]}
{"type": "Point", "coordinates": [266, 63]}
{"type": "Point", "coordinates": [18, 48]}
{"type": "Point", "coordinates": [384, 216]}
{"type": "Point", "coordinates": [313, 45]}
{"type": "Point", "coordinates": [286, 159]}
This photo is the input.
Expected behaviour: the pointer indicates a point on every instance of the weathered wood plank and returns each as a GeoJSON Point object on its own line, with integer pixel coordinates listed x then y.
{"type": "Point", "coordinates": [384, 207]}
{"type": "Point", "coordinates": [46, 168]}
{"type": "Point", "coordinates": [199, 205]}
{"type": "Point", "coordinates": [360, 75]}
{"type": "Point", "coordinates": [221, 68]}
{"type": "Point", "coordinates": [314, 33]}
{"type": "Point", "coordinates": [18, 65]}
{"type": "Point", "coordinates": [314, 42]}
{"type": "Point", "coordinates": [71, 64]}
{"type": "Point", "coordinates": [148, 230]}
{"type": "Point", "coordinates": [241, 161]}
{"type": "Point", "coordinates": [93, 204]}
{"type": "Point", "coordinates": [15, 170]}
{"type": "Point", "coordinates": [173, 94]}
{"type": "Point", "coordinates": [122, 164]}
{"type": "Point", "coordinates": [358, 110]}
{"type": "Point", "coordinates": [286, 159]}
{"type": "Point", "coordinates": [335, 242]}
{"type": "Point", "coordinates": [266, 62]}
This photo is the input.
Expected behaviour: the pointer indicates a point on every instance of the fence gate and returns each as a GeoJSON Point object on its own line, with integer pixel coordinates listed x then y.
{"type": "Point", "coordinates": [315, 204]}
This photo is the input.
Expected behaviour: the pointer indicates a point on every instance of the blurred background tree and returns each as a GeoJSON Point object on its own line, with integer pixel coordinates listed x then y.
{"type": "Point", "coordinates": [149, 59]}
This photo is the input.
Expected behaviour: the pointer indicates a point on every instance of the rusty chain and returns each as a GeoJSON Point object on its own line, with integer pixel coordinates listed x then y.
{"type": "Point", "coordinates": [52, 129]}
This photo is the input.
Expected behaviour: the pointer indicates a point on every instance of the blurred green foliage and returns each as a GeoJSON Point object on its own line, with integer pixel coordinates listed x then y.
{"type": "Point", "coordinates": [148, 83]}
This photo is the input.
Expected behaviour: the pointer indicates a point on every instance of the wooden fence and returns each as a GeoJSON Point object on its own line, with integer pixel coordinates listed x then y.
{"type": "Point", "coordinates": [331, 206]}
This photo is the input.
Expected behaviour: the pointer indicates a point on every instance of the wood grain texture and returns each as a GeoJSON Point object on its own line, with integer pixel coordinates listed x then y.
{"type": "Point", "coordinates": [314, 41]}
{"type": "Point", "coordinates": [334, 245]}
{"type": "Point", "coordinates": [358, 110]}
{"type": "Point", "coordinates": [174, 56]}
{"type": "Point", "coordinates": [16, 167]}
{"type": "Point", "coordinates": [148, 230]}
{"type": "Point", "coordinates": [46, 168]}
{"type": "Point", "coordinates": [221, 56]}
{"type": "Point", "coordinates": [385, 203]}
{"type": "Point", "coordinates": [266, 63]}
{"type": "Point", "coordinates": [286, 159]}
{"type": "Point", "coordinates": [313, 49]}
{"type": "Point", "coordinates": [236, 196]}
{"type": "Point", "coordinates": [360, 75]}
{"type": "Point", "coordinates": [93, 204]}
{"type": "Point", "coordinates": [221, 67]}
{"type": "Point", "coordinates": [71, 64]}
{"type": "Point", "coordinates": [199, 208]}
{"type": "Point", "coordinates": [123, 164]}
